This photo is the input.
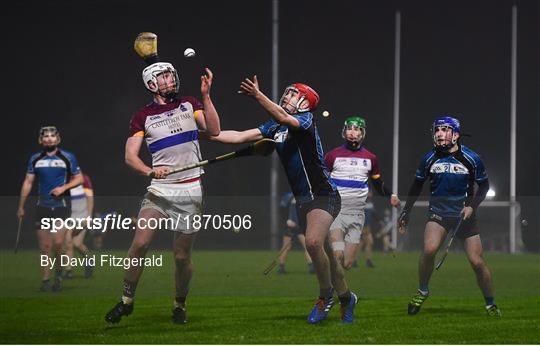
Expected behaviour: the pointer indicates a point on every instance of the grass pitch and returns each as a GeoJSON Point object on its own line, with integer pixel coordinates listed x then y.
{"type": "Point", "coordinates": [231, 302]}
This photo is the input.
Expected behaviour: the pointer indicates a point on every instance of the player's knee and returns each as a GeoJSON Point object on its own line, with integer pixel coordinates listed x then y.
{"type": "Point", "coordinates": [46, 249]}
{"type": "Point", "coordinates": [182, 260]}
{"type": "Point", "coordinates": [58, 244]}
{"type": "Point", "coordinates": [338, 255]}
{"type": "Point", "coordinates": [140, 246]}
{"type": "Point", "coordinates": [313, 245]}
{"type": "Point", "coordinates": [477, 262]}
{"type": "Point", "coordinates": [430, 251]}
{"type": "Point", "coordinates": [347, 264]}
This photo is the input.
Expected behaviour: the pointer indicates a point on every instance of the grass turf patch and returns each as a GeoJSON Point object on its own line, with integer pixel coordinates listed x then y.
{"type": "Point", "coordinates": [231, 302]}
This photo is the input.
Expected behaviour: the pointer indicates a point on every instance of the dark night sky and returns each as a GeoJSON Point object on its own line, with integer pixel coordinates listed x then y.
{"type": "Point", "coordinates": [71, 64]}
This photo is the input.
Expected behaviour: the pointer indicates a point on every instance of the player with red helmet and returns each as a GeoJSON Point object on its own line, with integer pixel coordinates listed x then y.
{"type": "Point", "coordinates": [317, 200]}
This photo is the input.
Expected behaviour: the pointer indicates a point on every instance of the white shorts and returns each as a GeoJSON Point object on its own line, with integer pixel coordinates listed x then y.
{"type": "Point", "coordinates": [175, 201]}
{"type": "Point", "coordinates": [351, 225]}
{"type": "Point", "coordinates": [79, 208]}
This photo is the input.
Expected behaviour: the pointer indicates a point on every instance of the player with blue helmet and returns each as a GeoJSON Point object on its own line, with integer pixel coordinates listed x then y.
{"type": "Point", "coordinates": [452, 170]}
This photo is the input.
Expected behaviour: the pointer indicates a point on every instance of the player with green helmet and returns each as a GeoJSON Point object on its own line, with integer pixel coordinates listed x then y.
{"type": "Point", "coordinates": [351, 166]}
{"type": "Point", "coordinates": [354, 141]}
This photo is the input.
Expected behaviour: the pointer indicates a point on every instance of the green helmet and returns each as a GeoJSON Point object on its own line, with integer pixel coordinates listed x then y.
{"type": "Point", "coordinates": [354, 122]}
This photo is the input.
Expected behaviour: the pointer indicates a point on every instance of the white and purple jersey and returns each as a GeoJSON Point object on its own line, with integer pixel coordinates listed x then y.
{"type": "Point", "coordinates": [350, 171]}
{"type": "Point", "coordinates": [171, 134]}
{"type": "Point", "coordinates": [52, 171]}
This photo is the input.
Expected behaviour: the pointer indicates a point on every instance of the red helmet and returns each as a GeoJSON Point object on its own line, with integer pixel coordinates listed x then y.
{"type": "Point", "coordinates": [306, 93]}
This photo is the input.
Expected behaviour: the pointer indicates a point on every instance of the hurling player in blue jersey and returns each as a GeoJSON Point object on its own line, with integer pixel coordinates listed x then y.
{"type": "Point", "coordinates": [317, 200]}
{"type": "Point", "coordinates": [57, 172]}
{"type": "Point", "coordinates": [452, 169]}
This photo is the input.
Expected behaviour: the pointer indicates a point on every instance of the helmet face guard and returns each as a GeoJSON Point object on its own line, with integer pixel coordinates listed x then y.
{"type": "Point", "coordinates": [305, 93]}
{"type": "Point", "coordinates": [43, 131]}
{"type": "Point", "coordinates": [352, 123]}
{"type": "Point", "coordinates": [451, 126]}
{"type": "Point", "coordinates": [150, 78]}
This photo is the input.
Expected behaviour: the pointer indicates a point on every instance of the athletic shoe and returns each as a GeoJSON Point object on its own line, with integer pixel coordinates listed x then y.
{"type": "Point", "coordinates": [281, 269]}
{"type": "Point", "coordinates": [179, 315]}
{"type": "Point", "coordinates": [68, 274]}
{"type": "Point", "coordinates": [57, 286]}
{"type": "Point", "coordinates": [416, 302]}
{"type": "Point", "coordinates": [119, 310]}
{"type": "Point", "coordinates": [347, 312]}
{"type": "Point", "coordinates": [320, 310]}
{"type": "Point", "coordinates": [311, 268]}
{"type": "Point", "coordinates": [493, 310]}
{"type": "Point", "coordinates": [369, 264]}
{"type": "Point", "coordinates": [45, 286]}
{"type": "Point", "coordinates": [88, 270]}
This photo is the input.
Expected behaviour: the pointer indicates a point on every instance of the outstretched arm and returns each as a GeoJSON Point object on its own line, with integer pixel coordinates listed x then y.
{"type": "Point", "coordinates": [251, 88]}
{"type": "Point", "coordinates": [236, 137]}
{"type": "Point", "coordinates": [209, 120]}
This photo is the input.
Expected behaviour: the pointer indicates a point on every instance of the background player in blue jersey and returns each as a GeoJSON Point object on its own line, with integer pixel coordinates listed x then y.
{"type": "Point", "coordinates": [57, 172]}
{"type": "Point", "coordinates": [452, 170]}
{"type": "Point", "coordinates": [317, 201]}
{"type": "Point", "coordinates": [291, 231]}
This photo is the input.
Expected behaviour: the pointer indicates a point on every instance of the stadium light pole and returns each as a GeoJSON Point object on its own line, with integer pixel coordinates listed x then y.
{"type": "Point", "coordinates": [513, 133]}
{"type": "Point", "coordinates": [395, 164]}
{"type": "Point", "coordinates": [274, 217]}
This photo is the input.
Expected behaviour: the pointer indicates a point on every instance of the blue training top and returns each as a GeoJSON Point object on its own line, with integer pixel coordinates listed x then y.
{"type": "Point", "coordinates": [52, 171]}
{"type": "Point", "coordinates": [301, 154]}
{"type": "Point", "coordinates": [451, 177]}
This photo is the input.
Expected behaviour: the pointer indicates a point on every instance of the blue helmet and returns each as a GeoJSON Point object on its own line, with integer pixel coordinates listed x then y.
{"type": "Point", "coordinates": [447, 121]}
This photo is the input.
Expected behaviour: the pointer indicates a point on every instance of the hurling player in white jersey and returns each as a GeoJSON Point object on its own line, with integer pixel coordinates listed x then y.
{"type": "Point", "coordinates": [170, 126]}
{"type": "Point", "coordinates": [351, 166]}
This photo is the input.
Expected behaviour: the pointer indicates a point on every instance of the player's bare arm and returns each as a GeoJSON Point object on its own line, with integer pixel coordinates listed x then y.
{"type": "Point", "coordinates": [237, 137]}
{"type": "Point", "coordinates": [132, 159]}
{"type": "Point", "coordinates": [251, 88]}
{"type": "Point", "coordinates": [208, 120]}
{"type": "Point", "coordinates": [25, 191]}
{"type": "Point", "coordinates": [75, 181]}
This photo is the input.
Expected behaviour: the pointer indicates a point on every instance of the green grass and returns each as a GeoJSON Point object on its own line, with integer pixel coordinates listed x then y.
{"type": "Point", "coordinates": [231, 302]}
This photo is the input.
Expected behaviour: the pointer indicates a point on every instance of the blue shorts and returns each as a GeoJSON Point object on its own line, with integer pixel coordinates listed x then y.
{"type": "Point", "coordinates": [468, 227]}
{"type": "Point", "coordinates": [330, 203]}
{"type": "Point", "coordinates": [47, 212]}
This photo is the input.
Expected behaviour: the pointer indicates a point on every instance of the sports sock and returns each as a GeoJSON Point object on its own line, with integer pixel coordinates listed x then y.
{"type": "Point", "coordinates": [179, 302]}
{"type": "Point", "coordinates": [325, 293]}
{"type": "Point", "coordinates": [423, 288]}
{"type": "Point", "coordinates": [129, 289]}
{"type": "Point", "coordinates": [489, 301]}
{"type": "Point", "coordinates": [345, 298]}
{"type": "Point", "coordinates": [127, 300]}
{"type": "Point", "coordinates": [58, 274]}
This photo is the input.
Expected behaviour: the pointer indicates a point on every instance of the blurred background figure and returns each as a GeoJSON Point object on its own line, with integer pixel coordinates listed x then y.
{"type": "Point", "coordinates": [291, 231]}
